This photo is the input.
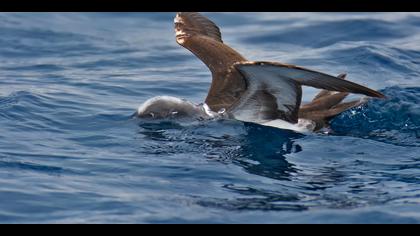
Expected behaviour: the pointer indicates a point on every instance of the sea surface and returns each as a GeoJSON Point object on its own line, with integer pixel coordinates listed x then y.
{"type": "Point", "coordinates": [71, 152]}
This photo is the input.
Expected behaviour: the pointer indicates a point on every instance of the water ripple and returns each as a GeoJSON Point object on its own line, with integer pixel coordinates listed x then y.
{"type": "Point", "coordinates": [70, 151]}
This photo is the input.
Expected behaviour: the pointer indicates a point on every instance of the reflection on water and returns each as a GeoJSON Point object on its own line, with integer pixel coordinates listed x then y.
{"type": "Point", "coordinates": [258, 149]}
{"type": "Point", "coordinates": [263, 151]}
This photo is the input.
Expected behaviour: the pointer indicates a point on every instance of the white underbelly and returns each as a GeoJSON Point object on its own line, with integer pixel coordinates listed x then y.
{"type": "Point", "coordinates": [303, 125]}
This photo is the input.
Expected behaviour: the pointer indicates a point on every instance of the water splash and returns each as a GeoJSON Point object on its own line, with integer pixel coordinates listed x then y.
{"type": "Point", "coordinates": [395, 120]}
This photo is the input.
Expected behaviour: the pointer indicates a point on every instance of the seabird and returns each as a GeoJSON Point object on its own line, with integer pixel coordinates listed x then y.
{"type": "Point", "coordinates": [267, 93]}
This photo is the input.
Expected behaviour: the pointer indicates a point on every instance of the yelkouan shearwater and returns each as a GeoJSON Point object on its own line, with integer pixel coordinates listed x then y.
{"type": "Point", "coordinates": [267, 93]}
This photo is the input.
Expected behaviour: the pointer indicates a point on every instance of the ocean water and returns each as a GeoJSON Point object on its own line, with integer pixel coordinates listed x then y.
{"type": "Point", "coordinates": [70, 151]}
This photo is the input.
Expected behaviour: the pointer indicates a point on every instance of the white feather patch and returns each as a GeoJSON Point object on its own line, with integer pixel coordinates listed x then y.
{"type": "Point", "coordinates": [303, 125]}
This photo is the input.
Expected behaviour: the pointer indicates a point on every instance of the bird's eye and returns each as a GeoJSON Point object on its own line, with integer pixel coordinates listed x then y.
{"type": "Point", "coordinates": [152, 114]}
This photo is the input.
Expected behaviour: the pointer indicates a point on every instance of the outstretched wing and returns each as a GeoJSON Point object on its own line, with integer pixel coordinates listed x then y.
{"type": "Point", "coordinates": [324, 100]}
{"type": "Point", "coordinates": [274, 90]}
{"type": "Point", "coordinates": [268, 96]}
{"type": "Point", "coordinates": [324, 93]}
{"type": "Point", "coordinates": [309, 77]}
{"type": "Point", "coordinates": [192, 24]}
{"type": "Point", "coordinates": [203, 38]}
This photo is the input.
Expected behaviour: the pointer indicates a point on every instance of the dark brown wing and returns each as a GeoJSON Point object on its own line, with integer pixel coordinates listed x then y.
{"type": "Point", "coordinates": [326, 105]}
{"type": "Point", "coordinates": [203, 38]}
{"type": "Point", "coordinates": [325, 99]}
{"type": "Point", "coordinates": [314, 78]}
{"type": "Point", "coordinates": [283, 83]}
{"type": "Point", "coordinates": [193, 23]}
{"type": "Point", "coordinates": [324, 93]}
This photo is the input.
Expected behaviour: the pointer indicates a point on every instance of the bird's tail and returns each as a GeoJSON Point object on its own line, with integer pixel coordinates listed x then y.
{"type": "Point", "coordinates": [326, 105]}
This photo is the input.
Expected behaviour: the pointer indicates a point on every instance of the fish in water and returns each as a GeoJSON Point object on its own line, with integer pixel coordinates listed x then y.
{"type": "Point", "coordinates": [262, 92]}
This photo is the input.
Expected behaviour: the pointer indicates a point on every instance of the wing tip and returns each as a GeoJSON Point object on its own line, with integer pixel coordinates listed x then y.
{"type": "Point", "coordinates": [189, 24]}
{"type": "Point", "coordinates": [379, 95]}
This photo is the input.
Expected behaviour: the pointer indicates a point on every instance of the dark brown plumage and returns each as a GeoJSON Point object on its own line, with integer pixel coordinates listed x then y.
{"type": "Point", "coordinates": [261, 91]}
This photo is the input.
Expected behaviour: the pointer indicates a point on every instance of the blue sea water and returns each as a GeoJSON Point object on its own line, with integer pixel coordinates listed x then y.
{"type": "Point", "coordinates": [70, 151]}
